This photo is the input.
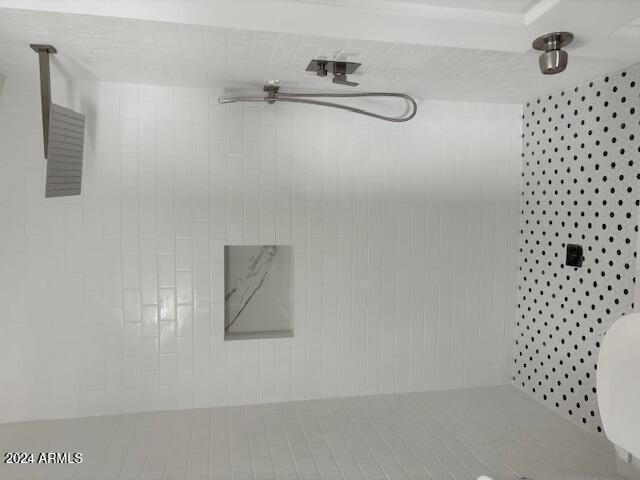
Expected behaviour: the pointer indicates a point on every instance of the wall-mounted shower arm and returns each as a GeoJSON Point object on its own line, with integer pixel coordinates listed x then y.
{"type": "Point", "coordinates": [273, 95]}
{"type": "Point", "coordinates": [43, 52]}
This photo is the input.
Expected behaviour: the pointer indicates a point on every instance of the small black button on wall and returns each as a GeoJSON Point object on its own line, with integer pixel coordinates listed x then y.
{"type": "Point", "coordinates": [574, 255]}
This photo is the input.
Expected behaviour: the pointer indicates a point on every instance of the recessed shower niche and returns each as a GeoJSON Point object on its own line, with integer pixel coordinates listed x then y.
{"type": "Point", "coordinates": [258, 291]}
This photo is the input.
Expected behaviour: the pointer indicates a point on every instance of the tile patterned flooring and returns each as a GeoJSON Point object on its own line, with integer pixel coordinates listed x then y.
{"type": "Point", "coordinates": [450, 435]}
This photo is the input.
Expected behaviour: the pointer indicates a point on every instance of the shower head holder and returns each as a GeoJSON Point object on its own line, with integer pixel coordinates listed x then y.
{"type": "Point", "coordinates": [272, 93]}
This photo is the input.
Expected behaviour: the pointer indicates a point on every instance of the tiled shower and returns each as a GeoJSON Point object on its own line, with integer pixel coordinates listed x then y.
{"type": "Point", "coordinates": [130, 276]}
{"type": "Point", "coordinates": [275, 291]}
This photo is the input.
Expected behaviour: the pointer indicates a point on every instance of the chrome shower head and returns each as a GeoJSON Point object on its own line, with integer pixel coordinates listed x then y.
{"type": "Point", "coordinates": [553, 59]}
{"type": "Point", "coordinates": [63, 135]}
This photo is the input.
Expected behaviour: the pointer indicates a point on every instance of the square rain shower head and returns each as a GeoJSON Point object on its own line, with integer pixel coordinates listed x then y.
{"type": "Point", "coordinates": [64, 152]}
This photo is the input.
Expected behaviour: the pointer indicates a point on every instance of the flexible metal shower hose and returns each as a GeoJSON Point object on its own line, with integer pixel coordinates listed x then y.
{"type": "Point", "coordinates": [304, 98]}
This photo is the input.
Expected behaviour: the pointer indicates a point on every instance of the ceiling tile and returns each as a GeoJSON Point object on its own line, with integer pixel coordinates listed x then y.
{"type": "Point", "coordinates": [141, 51]}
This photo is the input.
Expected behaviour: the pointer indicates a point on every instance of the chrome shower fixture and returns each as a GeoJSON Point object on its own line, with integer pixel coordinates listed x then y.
{"type": "Point", "coordinates": [273, 95]}
{"type": "Point", "coordinates": [339, 69]}
{"type": "Point", "coordinates": [63, 136]}
{"type": "Point", "coordinates": [554, 59]}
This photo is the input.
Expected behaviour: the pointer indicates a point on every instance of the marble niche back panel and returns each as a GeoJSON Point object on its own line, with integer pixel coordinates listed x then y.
{"type": "Point", "coordinates": [257, 291]}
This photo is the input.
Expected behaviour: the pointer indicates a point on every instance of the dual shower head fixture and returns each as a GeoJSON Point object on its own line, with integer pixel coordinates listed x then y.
{"type": "Point", "coordinates": [553, 59]}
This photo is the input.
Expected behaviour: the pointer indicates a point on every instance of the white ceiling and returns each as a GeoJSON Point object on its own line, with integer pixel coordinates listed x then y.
{"type": "Point", "coordinates": [505, 6]}
{"type": "Point", "coordinates": [631, 30]}
{"type": "Point", "coordinates": [508, 6]}
{"type": "Point", "coordinates": [143, 50]}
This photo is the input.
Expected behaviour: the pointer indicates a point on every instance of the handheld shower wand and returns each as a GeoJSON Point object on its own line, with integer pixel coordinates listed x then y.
{"type": "Point", "coordinates": [274, 95]}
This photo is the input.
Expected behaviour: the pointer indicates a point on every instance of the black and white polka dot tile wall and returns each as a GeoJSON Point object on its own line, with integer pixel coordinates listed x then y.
{"type": "Point", "coordinates": [581, 185]}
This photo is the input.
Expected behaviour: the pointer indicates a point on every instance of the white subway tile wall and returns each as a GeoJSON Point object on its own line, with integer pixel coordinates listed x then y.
{"type": "Point", "coordinates": [405, 251]}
